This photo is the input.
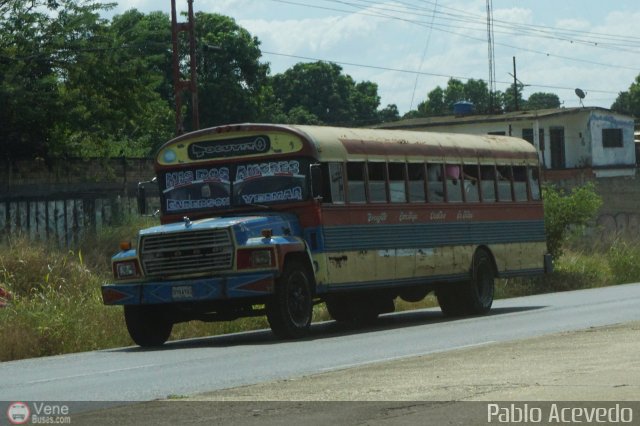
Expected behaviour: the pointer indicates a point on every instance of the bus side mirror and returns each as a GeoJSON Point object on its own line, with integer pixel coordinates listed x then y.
{"type": "Point", "coordinates": [316, 180]}
{"type": "Point", "coordinates": [142, 199]}
{"type": "Point", "coordinates": [142, 196]}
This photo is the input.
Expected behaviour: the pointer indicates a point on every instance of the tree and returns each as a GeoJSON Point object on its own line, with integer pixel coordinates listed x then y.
{"type": "Point", "coordinates": [541, 100]}
{"type": "Point", "coordinates": [477, 92]}
{"type": "Point", "coordinates": [622, 104]}
{"type": "Point", "coordinates": [435, 104]}
{"type": "Point", "coordinates": [231, 78]}
{"type": "Point", "coordinates": [365, 100]}
{"type": "Point", "coordinates": [388, 114]}
{"type": "Point", "coordinates": [440, 101]}
{"type": "Point", "coordinates": [71, 83]}
{"type": "Point", "coordinates": [629, 102]}
{"type": "Point", "coordinates": [114, 86]}
{"type": "Point", "coordinates": [322, 90]}
{"type": "Point", "coordinates": [453, 93]}
{"type": "Point", "coordinates": [512, 98]}
{"type": "Point", "coordinates": [29, 100]}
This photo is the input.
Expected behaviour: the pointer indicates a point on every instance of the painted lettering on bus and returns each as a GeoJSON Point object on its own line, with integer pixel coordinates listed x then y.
{"type": "Point", "coordinates": [439, 215]}
{"type": "Point", "coordinates": [377, 218]}
{"type": "Point", "coordinates": [174, 179]}
{"type": "Point", "coordinates": [267, 169]}
{"type": "Point", "coordinates": [407, 217]}
{"type": "Point", "coordinates": [464, 215]}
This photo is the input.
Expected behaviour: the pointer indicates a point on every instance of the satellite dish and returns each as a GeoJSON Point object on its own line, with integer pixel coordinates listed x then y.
{"type": "Point", "coordinates": [581, 94]}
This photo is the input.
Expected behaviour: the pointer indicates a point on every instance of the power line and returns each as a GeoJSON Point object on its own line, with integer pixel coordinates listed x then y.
{"type": "Point", "coordinates": [377, 67]}
{"type": "Point", "coordinates": [424, 54]}
{"type": "Point", "coordinates": [441, 28]}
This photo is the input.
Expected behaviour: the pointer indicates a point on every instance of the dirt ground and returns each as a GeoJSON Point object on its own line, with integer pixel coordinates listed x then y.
{"type": "Point", "coordinates": [597, 368]}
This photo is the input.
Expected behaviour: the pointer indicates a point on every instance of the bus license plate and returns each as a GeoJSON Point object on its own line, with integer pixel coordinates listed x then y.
{"type": "Point", "coordinates": [182, 292]}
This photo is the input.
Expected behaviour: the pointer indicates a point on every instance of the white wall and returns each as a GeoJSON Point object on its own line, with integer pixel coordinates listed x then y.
{"type": "Point", "coordinates": [624, 156]}
{"type": "Point", "coordinates": [582, 136]}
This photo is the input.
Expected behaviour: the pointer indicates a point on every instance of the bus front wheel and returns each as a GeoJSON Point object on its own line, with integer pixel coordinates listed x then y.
{"type": "Point", "coordinates": [148, 325]}
{"type": "Point", "coordinates": [473, 297]}
{"type": "Point", "coordinates": [290, 310]}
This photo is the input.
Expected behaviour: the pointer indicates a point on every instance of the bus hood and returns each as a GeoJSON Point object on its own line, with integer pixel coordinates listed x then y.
{"type": "Point", "coordinates": [243, 227]}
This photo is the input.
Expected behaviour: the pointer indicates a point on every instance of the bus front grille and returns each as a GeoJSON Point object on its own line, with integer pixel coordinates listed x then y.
{"type": "Point", "coordinates": [189, 252]}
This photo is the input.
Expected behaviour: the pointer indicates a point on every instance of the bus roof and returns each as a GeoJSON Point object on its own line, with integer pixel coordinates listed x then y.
{"type": "Point", "coordinates": [357, 144]}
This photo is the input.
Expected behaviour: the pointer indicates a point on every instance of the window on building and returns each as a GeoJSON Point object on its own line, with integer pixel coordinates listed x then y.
{"type": "Point", "coordinates": [527, 135]}
{"type": "Point", "coordinates": [612, 138]}
{"type": "Point", "coordinates": [497, 133]}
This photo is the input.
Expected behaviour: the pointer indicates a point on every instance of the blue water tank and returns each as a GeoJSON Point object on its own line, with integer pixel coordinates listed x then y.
{"type": "Point", "coordinates": [463, 108]}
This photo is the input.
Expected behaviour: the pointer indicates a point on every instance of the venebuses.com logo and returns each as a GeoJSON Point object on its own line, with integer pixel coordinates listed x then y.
{"type": "Point", "coordinates": [18, 413]}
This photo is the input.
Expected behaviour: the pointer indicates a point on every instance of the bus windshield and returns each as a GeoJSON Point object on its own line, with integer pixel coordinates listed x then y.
{"type": "Point", "coordinates": [234, 185]}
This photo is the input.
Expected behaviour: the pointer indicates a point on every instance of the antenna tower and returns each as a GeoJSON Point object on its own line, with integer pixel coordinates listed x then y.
{"type": "Point", "coordinates": [492, 66]}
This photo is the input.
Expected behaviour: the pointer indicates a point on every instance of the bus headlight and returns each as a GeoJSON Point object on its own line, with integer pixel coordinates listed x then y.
{"type": "Point", "coordinates": [125, 270]}
{"type": "Point", "coordinates": [256, 258]}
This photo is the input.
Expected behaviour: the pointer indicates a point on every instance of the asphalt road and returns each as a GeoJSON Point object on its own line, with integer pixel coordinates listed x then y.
{"type": "Point", "coordinates": [201, 365]}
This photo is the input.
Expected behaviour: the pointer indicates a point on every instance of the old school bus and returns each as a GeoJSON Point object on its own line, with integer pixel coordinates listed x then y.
{"type": "Point", "coordinates": [261, 219]}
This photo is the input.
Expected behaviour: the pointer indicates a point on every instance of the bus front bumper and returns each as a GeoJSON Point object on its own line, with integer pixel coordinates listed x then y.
{"type": "Point", "coordinates": [191, 290]}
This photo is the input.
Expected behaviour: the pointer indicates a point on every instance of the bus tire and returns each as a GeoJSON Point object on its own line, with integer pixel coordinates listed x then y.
{"type": "Point", "coordinates": [290, 310]}
{"type": "Point", "coordinates": [148, 325]}
{"type": "Point", "coordinates": [481, 287]}
{"type": "Point", "coordinates": [473, 297]}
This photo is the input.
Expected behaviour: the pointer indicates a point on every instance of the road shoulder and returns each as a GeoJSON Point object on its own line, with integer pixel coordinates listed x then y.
{"type": "Point", "coordinates": [594, 364]}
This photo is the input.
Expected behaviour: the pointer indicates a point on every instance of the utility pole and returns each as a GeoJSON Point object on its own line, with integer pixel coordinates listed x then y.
{"type": "Point", "coordinates": [491, 54]}
{"type": "Point", "coordinates": [515, 85]}
{"type": "Point", "coordinates": [180, 85]}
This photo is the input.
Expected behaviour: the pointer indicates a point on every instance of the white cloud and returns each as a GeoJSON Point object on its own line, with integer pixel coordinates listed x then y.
{"type": "Point", "coordinates": [458, 48]}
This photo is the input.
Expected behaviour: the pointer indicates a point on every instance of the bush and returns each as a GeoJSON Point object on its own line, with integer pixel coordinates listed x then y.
{"type": "Point", "coordinates": [565, 211]}
{"type": "Point", "coordinates": [624, 261]}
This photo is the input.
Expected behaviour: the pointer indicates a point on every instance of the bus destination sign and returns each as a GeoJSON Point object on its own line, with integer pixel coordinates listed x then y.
{"type": "Point", "coordinates": [249, 145]}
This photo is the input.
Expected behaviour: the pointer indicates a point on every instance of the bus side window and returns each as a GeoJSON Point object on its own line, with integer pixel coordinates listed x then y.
{"type": "Point", "coordinates": [454, 185]}
{"type": "Point", "coordinates": [520, 183]}
{"type": "Point", "coordinates": [488, 182]}
{"type": "Point", "coordinates": [435, 181]}
{"type": "Point", "coordinates": [470, 174]}
{"type": "Point", "coordinates": [355, 180]}
{"type": "Point", "coordinates": [534, 182]}
{"type": "Point", "coordinates": [504, 183]}
{"type": "Point", "coordinates": [416, 182]}
{"type": "Point", "coordinates": [377, 182]}
{"type": "Point", "coordinates": [333, 184]}
{"type": "Point", "coordinates": [397, 185]}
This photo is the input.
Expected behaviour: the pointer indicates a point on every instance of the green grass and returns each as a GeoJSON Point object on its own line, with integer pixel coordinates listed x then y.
{"type": "Point", "coordinates": [57, 307]}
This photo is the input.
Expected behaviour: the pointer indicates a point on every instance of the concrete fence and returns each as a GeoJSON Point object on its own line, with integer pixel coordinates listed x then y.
{"type": "Point", "coordinates": [62, 201]}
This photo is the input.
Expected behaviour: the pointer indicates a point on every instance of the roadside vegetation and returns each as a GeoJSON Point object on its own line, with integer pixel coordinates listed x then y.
{"type": "Point", "coordinates": [56, 307]}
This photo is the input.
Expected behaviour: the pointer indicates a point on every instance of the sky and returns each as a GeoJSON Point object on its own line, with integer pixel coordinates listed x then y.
{"type": "Point", "coordinates": [408, 47]}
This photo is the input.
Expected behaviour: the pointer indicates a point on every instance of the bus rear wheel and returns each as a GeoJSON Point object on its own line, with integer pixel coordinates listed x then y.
{"type": "Point", "coordinates": [290, 310]}
{"type": "Point", "coordinates": [148, 325]}
{"type": "Point", "coordinates": [473, 297]}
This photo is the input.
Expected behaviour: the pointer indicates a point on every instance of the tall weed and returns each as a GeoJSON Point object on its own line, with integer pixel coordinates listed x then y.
{"type": "Point", "coordinates": [624, 261]}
